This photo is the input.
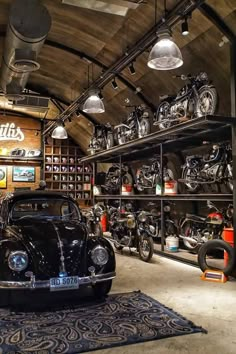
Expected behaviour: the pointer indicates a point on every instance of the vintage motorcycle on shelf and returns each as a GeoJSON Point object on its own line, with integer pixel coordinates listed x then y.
{"type": "Point", "coordinates": [148, 176]}
{"type": "Point", "coordinates": [101, 139]}
{"type": "Point", "coordinates": [115, 177]}
{"type": "Point", "coordinates": [137, 125]}
{"type": "Point", "coordinates": [196, 230]}
{"type": "Point", "coordinates": [149, 222]}
{"type": "Point", "coordinates": [216, 168]}
{"type": "Point", "coordinates": [125, 233]}
{"type": "Point", "coordinates": [197, 98]}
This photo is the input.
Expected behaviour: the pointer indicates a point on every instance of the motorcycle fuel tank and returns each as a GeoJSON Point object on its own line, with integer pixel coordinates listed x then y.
{"type": "Point", "coordinates": [214, 218]}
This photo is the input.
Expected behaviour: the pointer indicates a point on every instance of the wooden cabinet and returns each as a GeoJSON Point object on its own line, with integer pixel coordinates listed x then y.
{"type": "Point", "coordinates": [64, 172]}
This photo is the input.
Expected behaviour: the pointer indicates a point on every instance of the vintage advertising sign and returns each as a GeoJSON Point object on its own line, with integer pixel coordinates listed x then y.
{"type": "Point", "coordinates": [10, 131]}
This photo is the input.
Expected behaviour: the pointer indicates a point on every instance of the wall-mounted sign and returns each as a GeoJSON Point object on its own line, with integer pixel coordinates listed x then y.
{"type": "Point", "coordinates": [10, 131]}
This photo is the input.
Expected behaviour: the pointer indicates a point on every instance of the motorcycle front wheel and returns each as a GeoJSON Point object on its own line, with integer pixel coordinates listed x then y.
{"type": "Point", "coordinates": [145, 248]}
{"type": "Point", "coordinates": [144, 128]}
{"type": "Point", "coordinates": [110, 141]}
{"type": "Point", "coordinates": [206, 102]}
{"type": "Point", "coordinates": [188, 231]}
{"type": "Point", "coordinates": [162, 116]}
{"type": "Point", "coordinates": [190, 174]}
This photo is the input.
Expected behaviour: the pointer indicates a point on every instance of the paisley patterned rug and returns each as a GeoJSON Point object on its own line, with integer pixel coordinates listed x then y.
{"type": "Point", "coordinates": [120, 319]}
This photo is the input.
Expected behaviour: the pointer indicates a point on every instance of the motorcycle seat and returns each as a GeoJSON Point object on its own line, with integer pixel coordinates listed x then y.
{"type": "Point", "coordinates": [145, 166]}
{"type": "Point", "coordinates": [195, 217]}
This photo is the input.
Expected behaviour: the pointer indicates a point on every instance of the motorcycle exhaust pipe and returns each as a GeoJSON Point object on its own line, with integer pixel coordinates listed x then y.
{"type": "Point", "coordinates": [192, 240]}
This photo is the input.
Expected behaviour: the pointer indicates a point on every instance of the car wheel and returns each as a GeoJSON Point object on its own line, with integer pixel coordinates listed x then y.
{"type": "Point", "coordinates": [102, 289]}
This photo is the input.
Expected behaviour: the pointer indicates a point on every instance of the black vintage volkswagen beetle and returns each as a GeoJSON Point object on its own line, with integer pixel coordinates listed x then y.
{"type": "Point", "coordinates": [44, 244]}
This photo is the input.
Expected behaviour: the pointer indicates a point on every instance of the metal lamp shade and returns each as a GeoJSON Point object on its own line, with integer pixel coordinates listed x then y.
{"type": "Point", "coordinates": [93, 104]}
{"type": "Point", "coordinates": [59, 133]}
{"type": "Point", "coordinates": [165, 55]}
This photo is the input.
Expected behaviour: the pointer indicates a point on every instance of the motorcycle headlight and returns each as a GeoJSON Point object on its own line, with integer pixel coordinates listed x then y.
{"type": "Point", "coordinates": [142, 217]}
{"type": "Point", "coordinates": [18, 261]}
{"type": "Point", "coordinates": [99, 255]}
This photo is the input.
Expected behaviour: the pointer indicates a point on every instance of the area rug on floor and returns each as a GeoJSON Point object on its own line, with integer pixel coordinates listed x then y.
{"type": "Point", "coordinates": [120, 319]}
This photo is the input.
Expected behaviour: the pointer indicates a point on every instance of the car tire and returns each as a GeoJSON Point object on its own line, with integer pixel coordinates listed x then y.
{"type": "Point", "coordinates": [102, 289]}
{"type": "Point", "coordinates": [212, 245]}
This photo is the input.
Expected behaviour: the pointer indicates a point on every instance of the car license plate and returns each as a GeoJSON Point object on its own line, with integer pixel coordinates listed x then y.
{"type": "Point", "coordinates": [65, 283]}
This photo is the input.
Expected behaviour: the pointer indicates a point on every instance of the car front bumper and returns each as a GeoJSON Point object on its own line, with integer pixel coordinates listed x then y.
{"type": "Point", "coordinates": [33, 284]}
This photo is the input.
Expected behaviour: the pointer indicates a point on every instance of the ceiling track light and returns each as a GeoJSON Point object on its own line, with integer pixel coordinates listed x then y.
{"type": "Point", "coordinates": [114, 84]}
{"type": "Point", "coordinates": [132, 69]}
{"type": "Point", "coordinates": [184, 27]}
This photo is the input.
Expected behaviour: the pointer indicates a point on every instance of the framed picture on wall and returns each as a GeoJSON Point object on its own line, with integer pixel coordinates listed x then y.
{"type": "Point", "coordinates": [23, 174]}
{"type": "Point", "coordinates": [3, 177]}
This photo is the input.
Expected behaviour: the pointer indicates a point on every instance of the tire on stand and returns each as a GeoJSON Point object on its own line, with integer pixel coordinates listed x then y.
{"type": "Point", "coordinates": [216, 245]}
{"type": "Point", "coordinates": [101, 289]}
{"type": "Point", "coordinates": [145, 248]}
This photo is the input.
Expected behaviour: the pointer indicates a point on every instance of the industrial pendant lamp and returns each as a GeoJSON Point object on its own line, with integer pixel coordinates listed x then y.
{"type": "Point", "coordinates": [93, 103]}
{"type": "Point", "coordinates": [165, 55]}
{"type": "Point", "coordinates": [59, 132]}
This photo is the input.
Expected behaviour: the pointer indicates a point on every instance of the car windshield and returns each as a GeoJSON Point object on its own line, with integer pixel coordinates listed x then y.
{"type": "Point", "coordinates": [44, 209]}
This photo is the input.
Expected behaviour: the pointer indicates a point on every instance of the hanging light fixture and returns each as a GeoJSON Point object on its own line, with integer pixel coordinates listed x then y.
{"type": "Point", "coordinates": [93, 104]}
{"type": "Point", "coordinates": [165, 55]}
{"type": "Point", "coordinates": [59, 132]}
{"type": "Point", "coordinates": [184, 27]}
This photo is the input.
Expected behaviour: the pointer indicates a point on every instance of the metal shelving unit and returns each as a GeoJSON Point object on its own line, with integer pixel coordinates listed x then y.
{"type": "Point", "coordinates": [183, 136]}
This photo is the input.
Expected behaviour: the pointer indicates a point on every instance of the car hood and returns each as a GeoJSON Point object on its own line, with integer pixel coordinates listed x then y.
{"type": "Point", "coordinates": [53, 246]}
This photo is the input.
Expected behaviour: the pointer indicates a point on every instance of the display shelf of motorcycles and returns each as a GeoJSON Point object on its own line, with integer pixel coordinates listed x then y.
{"type": "Point", "coordinates": [188, 134]}
{"type": "Point", "coordinates": [64, 172]}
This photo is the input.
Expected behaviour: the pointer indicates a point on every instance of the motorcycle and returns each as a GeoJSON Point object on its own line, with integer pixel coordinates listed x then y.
{"type": "Point", "coordinates": [148, 176]}
{"type": "Point", "coordinates": [101, 139]}
{"type": "Point", "coordinates": [196, 230]}
{"type": "Point", "coordinates": [123, 227]}
{"type": "Point", "coordinates": [137, 125]}
{"type": "Point", "coordinates": [217, 168]}
{"type": "Point", "coordinates": [115, 177]}
{"type": "Point", "coordinates": [150, 222]}
{"type": "Point", "coordinates": [93, 218]}
{"type": "Point", "coordinates": [197, 98]}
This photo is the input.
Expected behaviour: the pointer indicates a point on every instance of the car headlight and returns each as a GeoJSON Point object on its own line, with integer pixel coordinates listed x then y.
{"type": "Point", "coordinates": [99, 255]}
{"type": "Point", "coordinates": [18, 261]}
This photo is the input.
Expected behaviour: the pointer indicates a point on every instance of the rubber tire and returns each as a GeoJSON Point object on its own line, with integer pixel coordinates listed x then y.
{"type": "Point", "coordinates": [215, 244]}
{"type": "Point", "coordinates": [190, 189]}
{"type": "Point", "coordinates": [147, 126]}
{"type": "Point", "coordinates": [160, 115]}
{"type": "Point", "coordinates": [151, 249]}
{"type": "Point", "coordinates": [101, 289]}
{"type": "Point", "coordinates": [110, 141]}
{"type": "Point", "coordinates": [186, 243]}
{"type": "Point", "coordinates": [197, 111]}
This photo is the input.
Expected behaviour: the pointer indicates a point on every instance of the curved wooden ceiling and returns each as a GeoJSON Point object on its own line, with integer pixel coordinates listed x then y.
{"type": "Point", "coordinates": [105, 37]}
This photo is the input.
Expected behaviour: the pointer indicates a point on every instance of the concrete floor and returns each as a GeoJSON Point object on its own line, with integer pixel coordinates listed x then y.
{"type": "Point", "coordinates": [178, 286]}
